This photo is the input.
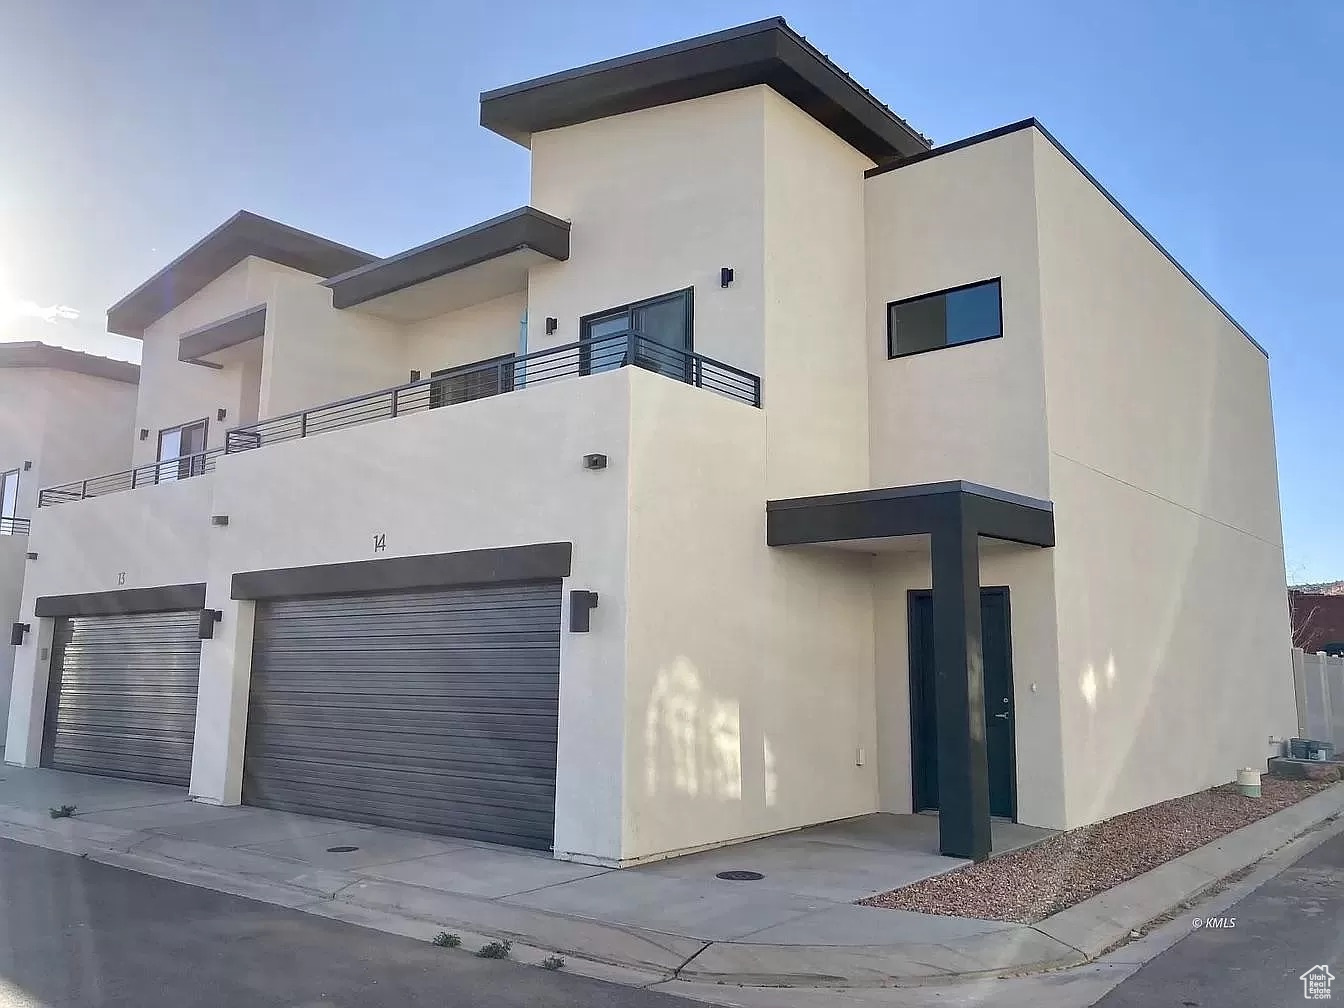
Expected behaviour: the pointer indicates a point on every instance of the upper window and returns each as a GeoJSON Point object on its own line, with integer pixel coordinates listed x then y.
{"type": "Point", "coordinates": [9, 501]}
{"type": "Point", "coordinates": [181, 451]}
{"type": "Point", "coordinates": [966, 314]}
{"type": "Point", "coordinates": [658, 330]}
{"type": "Point", "coordinates": [477, 381]}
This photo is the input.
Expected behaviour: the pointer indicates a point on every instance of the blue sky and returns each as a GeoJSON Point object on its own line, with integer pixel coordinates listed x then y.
{"type": "Point", "coordinates": [130, 129]}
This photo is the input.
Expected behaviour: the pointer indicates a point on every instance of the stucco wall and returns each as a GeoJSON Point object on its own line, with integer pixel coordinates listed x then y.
{"type": "Point", "coordinates": [660, 200]}
{"type": "Point", "coordinates": [1028, 573]}
{"type": "Point", "coordinates": [12, 549]}
{"type": "Point", "coordinates": [88, 427]}
{"type": "Point", "coordinates": [750, 670]}
{"type": "Point", "coordinates": [314, 354]}
{"type": "Point", "coordinates": [403, 478]}
{"type": "Point", "coordinates": [482, 331]}
{"type": "Point", "coordinates": [1173, 626]}
{"type": "Point", "coordinates": [974, 412]}
{"type": "Point", "coordinates": [816, 356]}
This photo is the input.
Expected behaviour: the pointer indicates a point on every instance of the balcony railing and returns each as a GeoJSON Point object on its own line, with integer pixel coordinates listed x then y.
{"type": "Point", "coordinates": [168, 471]}
{"type": "Point", "coordinates": [13, 526]}
{"type": "Point", "coordinates": [505, 374]}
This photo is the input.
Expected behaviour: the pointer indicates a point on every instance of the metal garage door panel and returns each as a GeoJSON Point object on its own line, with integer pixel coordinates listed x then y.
{"type": "Point", "coordinates": [122, 697]}
{"type": "Point", "coordinates": [434, 711]}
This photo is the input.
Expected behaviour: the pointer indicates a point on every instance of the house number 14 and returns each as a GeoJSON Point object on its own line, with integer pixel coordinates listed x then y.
{"type": "Point", "coordinates": [379, 542]}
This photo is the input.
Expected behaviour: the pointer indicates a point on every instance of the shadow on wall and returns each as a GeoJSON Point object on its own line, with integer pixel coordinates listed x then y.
{"type": "Point", "coordinates": [693, 740]}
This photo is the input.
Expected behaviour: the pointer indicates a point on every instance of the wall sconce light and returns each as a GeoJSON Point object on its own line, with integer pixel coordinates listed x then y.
{"type": "Point", "coordinates": [144, 433]}
{"type": "Point", "coordinates": [415, 376]}
{"type": "Point", "coordinates": [221, 413]}
{"type": "Point", "coordinates": [16, 633]}
{"type": "Point", "coordinates": [581, 605]}
{"type": "Point", "coordinates": [31, 556]}
{"type": "Point", "coordinates": [594, 461]}
{"type": "Point", "coordinates": [725, 276]}
{"type": "Point", "coordinates": [220, 520]}
{"type": "Point", "coordinates": [209, 617]}
{"type": "Point", "coordinates": [552, 324]}
{"type": "Point", "coordinates": [27, 466]}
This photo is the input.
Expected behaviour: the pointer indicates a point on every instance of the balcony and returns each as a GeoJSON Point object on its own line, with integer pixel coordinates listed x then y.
{"type": "Point", "coordinates": [13, 526]}
{"type": "Point", "coordinates": [506, 374]}
{"type": "Point", "coordinates": [167, 471]}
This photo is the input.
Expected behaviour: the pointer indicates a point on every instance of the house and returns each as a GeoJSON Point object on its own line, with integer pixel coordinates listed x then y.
{"type": "Point", "coordinates": [768, 467]}
{"type": "Point", "coordinates": [1317, 614]}
{"type": "Point", "coordinates": [63, 415]}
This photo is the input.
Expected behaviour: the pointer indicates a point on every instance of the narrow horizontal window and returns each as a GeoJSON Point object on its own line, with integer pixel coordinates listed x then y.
{"type": "Point", "coordinates": [953, 317]}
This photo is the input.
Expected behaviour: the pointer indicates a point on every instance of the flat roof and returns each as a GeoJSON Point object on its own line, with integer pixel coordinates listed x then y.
{"type": "Point", "coordinates": [242, 235]}
{"type": "Point", "coordinates": [765, 52]}
{"type": "Point", "coordinates": [524, 228]}
{"type": "Point", "coordinates": [43, 355]}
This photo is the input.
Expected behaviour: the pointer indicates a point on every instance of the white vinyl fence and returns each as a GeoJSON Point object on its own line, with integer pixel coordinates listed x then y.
{"type": "Point", "coordinates": [1319, 683]}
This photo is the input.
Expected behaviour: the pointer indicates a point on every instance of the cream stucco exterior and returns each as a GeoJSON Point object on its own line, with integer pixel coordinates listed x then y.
{"type": "Point", "coordinates": [730, 689]}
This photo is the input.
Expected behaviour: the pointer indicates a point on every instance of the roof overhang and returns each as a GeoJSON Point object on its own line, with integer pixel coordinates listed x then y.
{"type": "Point", "coordinates": [479, 263]}
{"type": "Point", "coordinates": [198, 345]}
{"type": "Point", "coordinates": [907, 511]}
{"type": "Point", "coordinates": [242, 235]}
{"type": "Point", "coordinates": [765, 52]}
{"type": "Point", "coordinates": [42, 355]}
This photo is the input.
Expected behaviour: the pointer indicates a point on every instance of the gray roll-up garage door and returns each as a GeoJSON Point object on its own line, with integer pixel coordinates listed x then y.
{"type": "Point", "coordinates": [433, 711]}
{"type": "Point", "coordinates": [122, 696]}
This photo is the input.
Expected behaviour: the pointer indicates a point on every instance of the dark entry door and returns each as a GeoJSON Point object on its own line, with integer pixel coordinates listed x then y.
{"type": "Point", "coordinates": [997, 645]}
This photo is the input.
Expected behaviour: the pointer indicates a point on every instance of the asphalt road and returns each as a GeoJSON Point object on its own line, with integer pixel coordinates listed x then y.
{"type": "Point", "coordinates": [77, 933]}
{"type": "Point", "coordinates": [1290, 924]}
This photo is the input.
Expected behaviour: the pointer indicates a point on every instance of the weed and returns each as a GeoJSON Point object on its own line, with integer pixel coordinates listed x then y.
{"type": "Point", "coordinates": [553, 963]}
{"type": "Point", "coordinates": [63, 812]}
{"type": "Point", "coordinates": [495, 950]}
{"type": "Point", "coordinates": [445, 940]}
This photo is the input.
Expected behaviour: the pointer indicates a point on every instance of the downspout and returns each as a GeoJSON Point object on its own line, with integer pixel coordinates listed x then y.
{"type": "Point", "coordinates": [520, 368]}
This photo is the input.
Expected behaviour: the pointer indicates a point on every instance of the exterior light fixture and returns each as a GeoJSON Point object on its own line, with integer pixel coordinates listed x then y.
{"type": "Point", "coordinates": [725, 276]}
{"type": "Point", "coordinates": [594, 461]}
{"type": "Point", "coordinates": [219, 520]}
{"type": "Point", "coordinates": [581, 604]}
{"type": "Point", "coordinates": [16, 633]}
{"type": "Point", "coordinates": [209, 617]}
{"type": "Point", "coordinates": [552, 324]}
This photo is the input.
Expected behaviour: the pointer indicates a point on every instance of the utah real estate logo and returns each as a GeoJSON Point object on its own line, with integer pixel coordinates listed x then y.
{"type": "Point", "coordinates": [1316, 983]}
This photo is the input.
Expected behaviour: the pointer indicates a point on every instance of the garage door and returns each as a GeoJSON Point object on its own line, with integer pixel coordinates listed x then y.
{"type": "Point", "coordinates": [122, 695]}
{"type": "Point", "coordinates": [434, 711]}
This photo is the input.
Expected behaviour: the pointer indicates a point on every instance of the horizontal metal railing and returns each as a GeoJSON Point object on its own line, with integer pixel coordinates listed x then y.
{"type": "Point", "coordinates": [505, 374]}
{"type": "Point", "coordinates": [167, 471]}
{"type": "Point", "coordinates": [13, 526]}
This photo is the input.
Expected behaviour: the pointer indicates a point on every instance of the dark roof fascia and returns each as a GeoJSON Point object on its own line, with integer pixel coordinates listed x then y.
{"type": "Point", "coordinates": [250, 323]}
{"type": "Point", "coordinates": [242, 235]}
{"type": "Point", "coordinates": [765, 52]}
{"type": "Point", "coordinates": [43, 355]}
{"type": "Point", "coordinates": [524, 228]}
{"type": "Point", "coordinates": [1016, 127]}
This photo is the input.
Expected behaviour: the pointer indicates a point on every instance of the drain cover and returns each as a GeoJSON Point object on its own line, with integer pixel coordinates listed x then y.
{"type": "Point", "coordinates": [341, 850]}
{"type": "Point", "coordinates": [740, 876]}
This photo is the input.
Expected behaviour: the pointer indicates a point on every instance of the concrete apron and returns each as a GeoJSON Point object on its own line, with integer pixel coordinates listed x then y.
{"type": "Point", "coordinates": [638, 926]}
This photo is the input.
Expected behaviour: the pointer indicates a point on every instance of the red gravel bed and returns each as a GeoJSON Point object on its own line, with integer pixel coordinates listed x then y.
{"type": "Point", "coordinates": [1030, 884]}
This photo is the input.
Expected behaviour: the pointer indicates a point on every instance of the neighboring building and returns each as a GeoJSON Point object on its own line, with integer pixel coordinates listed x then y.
{"type": "Point", "coordinates": [1318, 617]}
{"type": "Point", "coordinates": [626, 612]}
{"type": "Point", "coordinates": [63, 416]}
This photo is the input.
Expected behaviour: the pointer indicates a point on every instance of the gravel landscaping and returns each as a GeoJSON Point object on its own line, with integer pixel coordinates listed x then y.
{"type": "Point", "coordinates": [1030, 884]}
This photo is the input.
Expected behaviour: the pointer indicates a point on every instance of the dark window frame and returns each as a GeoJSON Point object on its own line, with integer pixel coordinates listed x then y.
{"type": "Point", "coordinates": [586, 323]}
{"type": "Point", "coordinates": [893, 353]}
{"type": "Point", "coordinates": [438, 399]}
{"type": "Point", "coordinates": [4, 479]}
{"type": "Point", "coordinates": [195, 466]}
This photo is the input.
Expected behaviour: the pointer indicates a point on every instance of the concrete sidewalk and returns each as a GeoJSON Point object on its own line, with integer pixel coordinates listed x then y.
{"type": "Point", "coordinates": [795, 927]}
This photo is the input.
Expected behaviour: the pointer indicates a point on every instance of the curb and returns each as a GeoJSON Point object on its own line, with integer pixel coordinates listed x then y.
{"type": "Point", "coordinates": [636, 957]}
